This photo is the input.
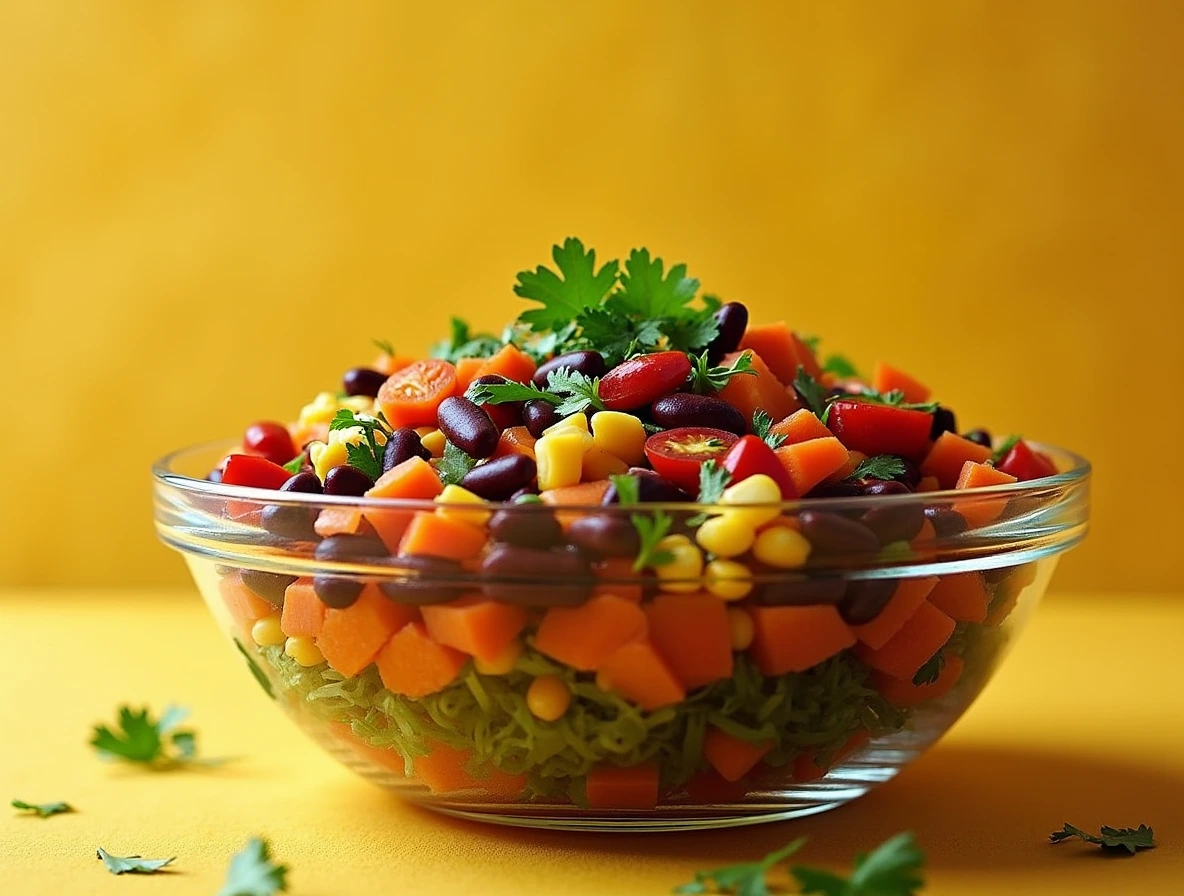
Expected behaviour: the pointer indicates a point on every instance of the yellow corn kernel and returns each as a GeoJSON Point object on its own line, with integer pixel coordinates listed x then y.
{"type": "Point", "coordinates": [321, 409]}
{"type": "Point", "coordinates": [359, 404]}
{"type": "Point", "coordinates": [620, 434]}
{"type": "Point", "coordinates": [725, 536]}
{"type": "Point", "coordinates": [434, 442]}
{"type": "Point", "coordinates": [548, 697]}
{"type": "Point", "coordinates": [578, 421]}
{"type": "Point", "coordinates": [422, 431]}
{"type": "Point", "coordinates": [757, 489]}
{"type": "Point", "coordinates": [670, 542]}
{"type": "Point", "coordinates": [329, 457]}
{"type": "Point", "coordinates": [600, 464]}
{"type": "Point", "coordinates": [560, 457]}
{"type": "Point", "coordinates": [782, 547]}
{"type": "Point", "coordinates": [454, 494]}
{"type": "Point", "coordinates": [686, 566]}
{"type": "Point", "coordinates": [503, 663]}
{"type": "Point", "coordinates": [727, 579]}
{"type": "Point", "coordinates": [304, 651]}
{"type": "Point", "coordinates": [740, 628]}
{"type": "Point", "coordinates": [266, 632]}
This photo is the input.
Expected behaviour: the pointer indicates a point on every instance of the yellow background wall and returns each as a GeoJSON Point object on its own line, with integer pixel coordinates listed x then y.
{"type": "Point", "coordinates": [208, 209]}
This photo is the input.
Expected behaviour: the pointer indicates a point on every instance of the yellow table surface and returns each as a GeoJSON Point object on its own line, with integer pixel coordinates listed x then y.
{"type": "Point", "coordinates": [1085, 723]}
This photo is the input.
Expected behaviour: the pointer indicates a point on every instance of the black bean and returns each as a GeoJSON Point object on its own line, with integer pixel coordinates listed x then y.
{"type": "Point", "coordinates": [426, 580]}
{"type": "Point", "coordinates": [979, 437]}
{"type": "Point", "coordinates": [537, 415]}
{"type": "Point", "coordinates": [895, 520]}
{"type": "Point", "coordinates": [830, 533]}
{"type": "Point", "coordinates": [556, 578]}
{"type": "Point", "coordinates": [268, 585]}
{"type": "Point", "coordinates": [337, 592]}
{"type": "Point", "coordinates": [289, 521]}
{"type": "Point", "coordinates": [865, 599]}
{"type": "Point", "coordinates": [688, 409]}
{"type": "Point", "coordinates": [403, 445]}
{"type": "Point", "coordinates": [347, 481]}
{"type": "Point", "coordinates": [732, 318]}
{"type": "Point", "coordinates": [531, 527]}
{"type": "Point", "coordinates": [947, 522]}
{"type": "Point", "coordinates": [363, 381]}
{"type": "Point", "coordinates": [467, 426]}
{"type": "Point", "coordinates": [650, 487]}
{"type": "Point", "coordinates": [605, 535]}
{"type": "Point", "coordinates": [801, 592]}
{"type": "Point", "coordinates": [499, 478]}
{"type": "Point", "coordinates": [586, 362]}
{"type": "Point", "coordinates": [350, 547]}
{"type": "Point", "coordinates": [304, 483]}
{"type": "Point", "coordinates": [943, 421]}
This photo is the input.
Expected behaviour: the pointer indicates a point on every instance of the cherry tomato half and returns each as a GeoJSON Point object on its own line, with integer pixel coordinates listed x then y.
{"type": "Point", "coordinates": [256, 472]}
{"type": "Point", "coordinates": [677, 454]}
{"type": "Point", "coordinates": [411, 396]}
{"type": "Point", "coordinates": [1025, 464]}
{"type": "Point", "coordinates": [880, 429]}
{"type": "Point", "coordinates": [270, 440]}
{"type": "Point", "coordinates": [639, 381]}
{"type": "Point", "coordinates": [749, 456]}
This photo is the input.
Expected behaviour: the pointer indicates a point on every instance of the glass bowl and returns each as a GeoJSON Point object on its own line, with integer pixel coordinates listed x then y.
{"type": "Point", "coordinates": [497, 662]}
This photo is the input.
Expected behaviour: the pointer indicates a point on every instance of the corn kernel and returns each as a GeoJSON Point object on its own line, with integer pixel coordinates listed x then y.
{"type": "Point", "coordinates": [266, 632]}
{"type": "Point", "coordinates": [740, 628]}
{"type": "Point", "coordinates": [600, 464]}
{"type": "Point", "coordinates": [756, 489]}
{"type": "Point", "coordinates": [620, 434]}
{"type": "Point", "coordinates": [304, 651]}
{"type": "Point", "coordinates": [782, 547]}
{"type": "Point", "coordinates": [560, 457]}
{"type": "Point", "coordinates": [321, 409]}
{"type": "Point", "coordinates": [577, 421]}
{"type": "Point", "coordinates": [725, 536]}
{"type": "Point", "coordinates": [503, 663]}
{"type": "Point", "coordinates": [329, 457]}
{"type": "Point", "coordinates": [434, 442]}
{"type": "Point", "coordinates": [670, 542]}
{"type": "Point", "coordinates": [548, 697]}
{"type": "Point", "coordinates": [686, 566]}
{"type": "Point", "coordinates": [359, 404]}
{"type": "Point", "coordinates": [727, 579]}
{"type": "Point", "coordinates": [454, 494]}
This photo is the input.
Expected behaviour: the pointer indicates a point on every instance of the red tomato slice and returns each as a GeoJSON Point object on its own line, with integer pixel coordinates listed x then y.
{"type": "Point", "coordinates": [256, 472]}
{"type": "Point", "coordinates": [880, 429]}
{"type": "Point", "coordinates": [639, 381]}
{"type": "Point", "coordinates": [1025, 464]}
{"type": "Point", "coordinates": [749, 456]}
{"type": "Point", "coordinates": [411, 396]}
{"type": "Point", "coordinates": [677, 454]}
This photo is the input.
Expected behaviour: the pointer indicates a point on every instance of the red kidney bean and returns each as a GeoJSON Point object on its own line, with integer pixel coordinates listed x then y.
{"type": "Point", "coordinates": [304, 483]}
{"type": "Point", "coordinates": [943, 421]}
{"type": "Point", "coordinates": [363, 381]}
{"type": "Point", "coordinates": [604, 535]}
{"type": "Point", "coordinates": [288, 521]}
{"type": "Point", "coordinates": [270, 440]}
{"type": "Point", "coordinates": [946, 522]}
{"type": "Point", "coordinates": [501, 477]}
{"type": "Point", "coordinates": [534, 578]}
{"type": "Point", "coordinates": [732, 318]}
{"type": "Point", "coordinates": [426, 580]}
{"type": "Point", "coordinates": [847, 488]}
{"type": "Point", "coordinates": [467, 426]}
{"type": "Point", "coordinates": [687, 409]}
{"type": "Point", "coordinates": [830, 533]}
{"type": "Point", "coordinates": [350, 547]}
{"type": "Point", "coordinates": [586, 362]}
{"type": "Point", "coordinates": [979, 437]}
{"type": "Point", "coordinates": [865, 600]}
{"type": "Point", "coordinates": [538, 414]}
{"type": "Point", "coordinates": [337, 592]}
{"type": "Point", "coordinates": [347, 481]}
{"type": "Point", "coordinates": [531, 527]}
{"type": "Point", "coordinates": [650, 487]}
{"type": "Point", "coordinates": [801, 592]}
{"type": "Point", "coordinates": [403, 445]}
{"type": "Point", "coordinates": [268, 585]}
{"type": "Point", "coordinates": [895, 521]}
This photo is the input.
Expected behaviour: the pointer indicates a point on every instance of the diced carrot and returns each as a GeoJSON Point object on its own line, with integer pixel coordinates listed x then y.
{"type": "Point", "coordinates": [387, 757]}
{"type": "Point", "coordinates": [337, 521]}
{"type": "Point", "coordinates": [962, 596]}
{"type": "Point", "coordinates": [639, 674]}
{"type": "Point", "coordinates": [389, 364]}
{"type": "Point", "coordinates": [911, 647]}
{"type": "Point", "coordinates": [691, 633]}
{"type": "Point", "coordinates": [926, 536]}
{"type": "Point", "coordinates": [731, 757]}
{"type": "Point", "coordinates": [782, 349]}
{"type": "Point", "coordinates": [515, 440]}
{"type": "Point", "coordinates": [613, 787]}
{"type": "Point", "coordinates": [413, 478]}
{"type": "Point", "coordinates": [809, 463]}
{"type": "Point", "coordinates": [928, 484]}
{"type": "Point", "coordinates": [351, 638]}
{"type": "Point", "coordinates": [902, 692]}
{"type": "Point", "coordinates": [414, 665]}
{"type": "Point", "coordinates": [945, 459]}
{"type": "Point", "coordinates": [479, 627]}
{"type": "Point", "coordinates": [390, 525]}
{"type": "Point", "coordinates": [466, 371]}
{"type": "Point", "coordinates": [806, 767]}
{"type": "Point", "coordinates": [749, 394]}
{"type": "Point", "coordinates": [622, 581]}
{"type": "Point", "coordinates": [886, 378]}
{"type": "Point", "coordinates": [411, 396]}
{"type": "Point", "coordinates": [583, 495]}
{"type": "Point", "coordinates": [981, 511]}
{"type": "Point", "coordinates": [510, 362]}
{"type": "Point", "coordinates": [585, 636]}
{"type": "Point", "coordinates": [304, 614]}
{"type": "Point", "coordinates": [905, 601]}
{"type": "Point", "coordinates": [245, 606]}
{"type": "Point", "coordinates": [445, 770]}
{"type": "Point", "coordinates": [433, 535]}
{"type": "Point", "coordinates": [800, 426]}
{"type": "Point", "coordinates": [793, 638]}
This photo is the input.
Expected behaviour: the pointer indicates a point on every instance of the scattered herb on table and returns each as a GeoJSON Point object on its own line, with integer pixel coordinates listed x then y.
{"type": "Point", "coordinates": [132, 864]}
{"type": "Point", "coordinates": [253, 873]}
{"type": "Point", "coordinates": [1130, 839]}
{"type": "Point", "coordinates": [43, 810]}
{"type": "Point", "coordinates": [142, 739]}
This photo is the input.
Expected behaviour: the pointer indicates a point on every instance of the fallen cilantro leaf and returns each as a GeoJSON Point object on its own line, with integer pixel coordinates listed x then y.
{"type": "Point", "coordinates": [256, 670]}
{"type": "Point", "coordinates": [147, 741]}
{"type": "Point", "coordinates": [1130, 839]}
{"type": "Point", "coordinates": [384, 346]}
{"type": "Point", "coordinates": [649, 293]}
{"type": "Point", "coordinates": [812, 392]}
{"type": "Point", "coordinates": [929, 672]}
{"type": "Point", "coordinates": [706, 378]}
{"type": "Point", "coordinates": [253, 873]}
{"type": "Point", "coordinates": [43, 810]}
{"type": "Point", "coordinates": [839, 366]}
{"type": "Point", "coordinates": [761, 423]}
{"type": "Point", "coordinates": [891, 869]}
{"type": "Point", "coordinates": [1005, 446]}
{"type": "Point", "coordinates": [564, 298]}
{"type": "Point", "coordinates": [464, 344]}
{"type": "Point", "coordinates": [132, 864]}
{"type": "Point", "coordinates": [881, 466]}
{"type": "Point", "coordinates": [743, 879]}
{"type": "Point", "coordinates": [454, 464]}
{"type": "Point", "coordinates": [580, 391]}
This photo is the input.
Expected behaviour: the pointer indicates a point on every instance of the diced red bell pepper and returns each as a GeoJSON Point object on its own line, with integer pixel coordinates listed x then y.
{"type": "Point", "coordinates": [256, 472]}
{"type": "Point", "coordinates": [749, 456]}
{"type": "Point", "coordinates": [1024, 464]}
{"type": "Point", "coordinates": [880, 429]}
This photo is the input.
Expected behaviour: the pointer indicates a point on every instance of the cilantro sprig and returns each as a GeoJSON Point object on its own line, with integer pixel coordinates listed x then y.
{"type": "Point", "coordinates": [253, 873]}
{"type": "Point", "coordinates": [839, 366]}
{"type": "Point", "coordinates": [141, 739]}
{"type": "Point", "coordinates": [454, 464]}
{"type": "Point", "coordinates": [744, 878]}
{"type": "Point", "coordinates": [812, 392]}
{"type": "Point", "coordinates": [1130, 839]}
{"type": "Point", "coordinates": [713, 479]}
{"type": "Point", "coordinates": [132, 864]}
{"type": "Point", "coordinates": [879, 466]}
{"type": "Point", "coordinates": [930, 671]}
{"type": "Point", "coordinates": [651, 528]}
{"type": "Point", "coordinates": [707, 378]}
{"type": "Point", "coordinates": [1004, 447]}
{"type": "Point", "coordinates": [463, 343]}
{"type": "Point", "coordinates": [761, 424]}
{"type": "Point", "coordinates": [43, 810]}
{"type": "Point", "coordinates": [569, 390]}
{"type": "Point", "coordinates": [366, 456]}
{"type": "Point", "coordinates": [894, 398]}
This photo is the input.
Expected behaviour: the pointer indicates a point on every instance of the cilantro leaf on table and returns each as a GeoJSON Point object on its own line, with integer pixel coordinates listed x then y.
{"type": "Point", "coordinates": [930, 671]}
{"type": "Point", "coordinates": [580, 391]}
{"type": "Point", "coordinates": [879, 466]}
{"type": "Point", "coordinates": [891, 869]}
{"type": "Point", "coordinates": [742, 879]}
{"type": "Point", "coordinates": [649, 291]}
{"type": "Point", "coordinates": [43, 810]}
{"type": "Point", "coordinates": [463, 343]}
{"type": "Point", "coordinates": [706, 378]}
{"type": "Point", "coordinates": [564, 298]}
{"type": "Point", "coordinates": [454, 465]}
{"type": "Point", "coordinates": [142, 739]}
{"type": "Point", "coordinates": [132, 864]}
{"type": "Point", "coordinates": [839, 366]}
{"type": "Point", "coordinates": [1005, 446]}
{"type": "Point", "coordinates": [253, 873]}
{"type": "Point", "coordinates": [761, 424]}
{"type": "Point", "coordinates": [1130, 839]}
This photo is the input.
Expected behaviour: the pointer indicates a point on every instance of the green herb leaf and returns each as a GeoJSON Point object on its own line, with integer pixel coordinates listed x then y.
{"type": "Point", "coordinates": [895, 398]}
{"type": "Point", "coordinates": [500, 393]}
{"type": "Point", "coordinates": [761, 422]}
{"type": "Point", "coordinates": [839, 366]}
{"type": "Point", "coordinates": [811, 342]}
{"type": "Point", "coordinates": [366, 456]}
{"type": "Point", "coordinates": [627, 488]}
{"type": "Point", "coordinates": [132, 864]}
{"type": "Point", "coordinates": [384, 346]}
{"type": "Point", "coordinates": [454, 465]}
{"type": "Point", "coordinates": [812, 392]}
{"type": "Point", "coordinates": [880, 466]}
{"type": "Point", "coordinates": [713, 479]}
{"type": "Point", "coordinates": [579, 391]}
{"type": "Point", "coordinates": [706, 379]}
{"type": "Point", "coordinates": [692, 331]}
{"type": "Point", "coordinates": [564, 298]}
{"type": "Point", "coordinates": [145, 740]}
{"type": "Point", "coordinates": [43, 810]}
{"type": "Point", "coordinates": [293, 466]}
{"type": "Point", "coordinates": [647, 292]}
{"type": "Point", "coordinates": [1130, 839]}
{"type": "Point", "coordinates": [253, 873]}
{"type": "Point", "coordinates": [892, 869]}
{"type": "Point", "coordinates": [652, 528]}
{"type": "Point", "coordinates": [256, 670]}
{"type": "Point", "coordinates": [929, 672]}
{"type": "Point", "coordinates": [1004, 447]}
{"type": "Point", "coordinates": [744, 879]}
{"type": "Point", "coordinates": [464, 344]}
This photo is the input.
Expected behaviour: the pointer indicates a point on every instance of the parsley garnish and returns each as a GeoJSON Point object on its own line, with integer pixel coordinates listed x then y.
{"type": "Point", "coordinates": [651, 528]}
{"type": "Point", "coordinates": [564, 299]}
{"type": "Point", "coordinates": [500, 393]}
{"type": "Point", "coordinates": [743, 879]}
{"type": "Point", "coordinates": [256, 671]}
{"type": "Point", "coordinates": [43, 810]}
{"type": "Point", "coordinates": [159, 743]}
{"type": "Point", "coordinates": [812, 392]}
{"type": "Point", "coordinates": [626, 487]}
{"type": "Point", "coordinates": [646, 293]}
{"type": "Point", "coordinates": [713, 479]}
{"type": "Point", "coordinates": [132, 864]}
{"type": "Point", "coordinates": [454, 465]}
{"type": "Point", "coordinates": [367, 456]}
{"type": "Point", "coordinates": [881, 466]}
{"type": "Point", "coordinates": [1005, 446]}
{"type": "Point", "coordinates": [384, 346]}
{"type": "Point", "coordinates": [580, 391]}
{"type": "Point", "coordinates": [761, 422]}
{"type": "Point", "coordinates": [1130, 839]}
{"type": "Point", "coordinates": [929, 672]}
{"type": "Point", "coordinates": [464, 344]}
{"type": "Point", "coordinates": [894, 398]}
{"type": "Point", "coordinates": [253, 873]}
{"type": "Point", "coordinates": [839, 366]}
{"type": "Point", "coordinates": [705, 378]}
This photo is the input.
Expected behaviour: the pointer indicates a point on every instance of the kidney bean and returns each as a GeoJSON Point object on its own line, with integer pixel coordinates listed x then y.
{"type": "Point", "coordinates": [687, 409]}
{"type": "Point", "coordinates": [605, 535]}
{"type": "Point", "coordinates": [429, 580]}
{"type": "Point", "coordinates": [337, 592]}
{"type": "Point", "coordinates": [943, 421]}
{"type": "Point", "coordinates": [650, 487]}
{"type": "Point", "coordinates": [848, 488]}
{"type": "Point", "coordinates": [499, 478]}
{"type": "Point", "coordinates": [506, 414]}
{"type": "Point", "coordinates": [350, 547]}
{"type": "Point", "coordinates": [946, 522]}
{"type": "Point", "coordinates": [877, 487]}
{"type": "Point", "coordinates": [467, 426]}
{"type": "Point", "coordinates": [895, 521]}
{"type": "Point", "coordinates": [979, 437]}
{"type": "Point", "coordinates": [801, 592]}
{"type": "Point", "coordinates": [830, 533]}
{"type": "Point", "coordinates": [586, 362]}
{"type": "Point", "coordinates": [537, 415]}
{"type": "Point", "coordinates": [732, 318]}
{"type": "Point", "coordinates": [289, 521]}
{"type": "Point", "coordinates": [533, 527]}
{"type": "Point", "coordinates": [268, 585]}
{"type": "Point", "coordinates": [363, 381]}
{"type": "Point", "coordinates": [403, 445]}
{"type": "Point", "coordinates": [865, 600]}
{"type": "Point", "coordinates": [303, 483]}
{"type": "Point", "coordinates": [347, 481]}
{"type": "Point", "coordinates": [557, 578]}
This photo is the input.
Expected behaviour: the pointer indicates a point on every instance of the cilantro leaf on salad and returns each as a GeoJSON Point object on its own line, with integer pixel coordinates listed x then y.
{"type": "Point", "coordinates": [881, 466]}
{"type": "Point", "coordinates": [648, 291]}
{"type": "Point", "coordinates": [295, 464]}
{"type": "Point", "coordinates": [43, 810]}
{"type": "Point", "coordinates": [761, 424]}
{"type": "Point", "coordinates": [463, 343]}
{"type": "Point", "coordinates": [930, 671]}
{"type": "Point", "coordinates": [812, 392]}
{"type": "Point", "coordinates": [564, 298]}
{"type": "Point", "coordinates": [628, 491]}
{"type": "Point", "coordinates": [132, 864]}
{"type": "Point", "coordinates": [706, 378]}
{"type": "Point", "coordinates": [253, 873]}
{"type": "Point", "coordinates": [651, 528]}
{"type": "Point", "coordinates": [839, 366]}
{"type": "Point", "coordinates": [713, 479]}
{"type": "Point", "coordinates": [500, 393]}
{"type": "Point", "coordinates": [1130, 839]}
{"type": "Point", "coordinates": [366, 456]}
{"type": "Point", "coordinates": [580, 391]}
{"type": "Point", "coordinates": [140, 738]}
{"type": "Point", "coordinates": [385, 346]}
{"type": "Point", "coordinates": [1004, 447]}
{"type": "Point", "coordinates": [256, 671]}
{"type": "Point", "coordinates": [894, 398]}
{"type": "Point", "coordinates": [454, 465]}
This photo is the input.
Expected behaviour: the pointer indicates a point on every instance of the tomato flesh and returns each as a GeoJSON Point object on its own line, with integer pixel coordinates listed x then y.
{"type": "Point", "coordinates": [677, 454]}
{"type": "Point", "coordinates": [256, 472]}
{"type": "Point", "coordinates": [749, 456]}
{"type": "Point", "coordinates": [639, 381]}
{"type": "Point", "coordinates": [880, 429]}
{"type": "Point", "coordinates": [1025, 464]}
